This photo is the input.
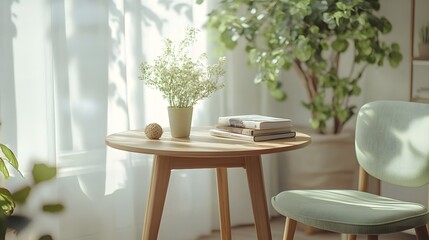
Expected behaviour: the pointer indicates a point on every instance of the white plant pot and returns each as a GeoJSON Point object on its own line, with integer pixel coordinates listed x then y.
{"type": "Point", "coordinates": [424, 50]}
{"type": "Point", "coordinates": [180, 121]}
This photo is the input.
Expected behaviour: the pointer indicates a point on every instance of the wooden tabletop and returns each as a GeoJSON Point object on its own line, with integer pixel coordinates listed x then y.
{"type": "Point", "coordinates": [201, 144]}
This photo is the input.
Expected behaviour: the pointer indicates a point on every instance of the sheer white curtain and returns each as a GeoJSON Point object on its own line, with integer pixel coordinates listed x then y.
{"type": "Point", "coordinates": [68, 71]}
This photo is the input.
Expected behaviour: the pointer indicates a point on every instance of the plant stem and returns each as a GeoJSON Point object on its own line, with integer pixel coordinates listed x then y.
{"type": "Point", "coordinates": [338, 125]}
{"type": "Point", "coordinates": [335, 62]}
{"type": "Point", "coordinates": [309, 83]}
{"type": "Point", "coordinates": [352, 68]}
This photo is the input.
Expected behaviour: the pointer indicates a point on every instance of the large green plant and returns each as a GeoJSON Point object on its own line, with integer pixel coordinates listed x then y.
{"type": "Point", "coordinates": [310, 36]}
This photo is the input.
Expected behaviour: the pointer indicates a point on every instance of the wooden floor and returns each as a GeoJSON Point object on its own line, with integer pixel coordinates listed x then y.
{"type": "Point", "coordinates": [277, 227]}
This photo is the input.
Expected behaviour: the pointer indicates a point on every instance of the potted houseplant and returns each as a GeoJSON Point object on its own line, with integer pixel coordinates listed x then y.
{"type": "Point", "coordinates": [317, 39]}
{"type": "Point", "coordinates": [310, 36]}
{"type": "Point", "coordinates": [424, 42]}
{"type": "Point", "coordinates": [182, 80]}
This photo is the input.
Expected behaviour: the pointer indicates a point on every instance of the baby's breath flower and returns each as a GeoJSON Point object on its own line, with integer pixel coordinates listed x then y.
{"type": "Point", "coordinates": [183, 81]}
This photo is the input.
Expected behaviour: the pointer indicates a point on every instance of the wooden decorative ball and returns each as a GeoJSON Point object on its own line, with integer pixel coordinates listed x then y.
{"type": "Point", "coordinates": [153, 131]}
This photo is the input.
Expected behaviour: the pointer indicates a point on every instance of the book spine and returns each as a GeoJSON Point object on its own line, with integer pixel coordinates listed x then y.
{"type": "Point", "coordinates": [221, 133]}
{"type": "Point", "coordinates": [275, 136]}
{"type": "Point", "coordinates": [249, 132]}
{"type": "Point", "coordinates": [239, 130]}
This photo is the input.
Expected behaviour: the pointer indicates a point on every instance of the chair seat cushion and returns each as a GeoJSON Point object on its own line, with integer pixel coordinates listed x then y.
{"type": "Point", "coordinates": [349, 211]}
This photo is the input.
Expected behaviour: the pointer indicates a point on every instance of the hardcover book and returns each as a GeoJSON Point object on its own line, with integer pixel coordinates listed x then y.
{"type": "Point", "coordinates": [254, 121]}
{"type": "Point", "coordinates": [220, 133]}
{"type": "Point", "coordinates": [254, 132]}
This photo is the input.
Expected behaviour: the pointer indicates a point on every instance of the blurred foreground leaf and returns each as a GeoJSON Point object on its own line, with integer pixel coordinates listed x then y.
{"type": "Point", "coordinates": [46, 237]}
{"type": "Point", "coordinates": [17, 222]}
{"type": "Point", "coordinates": [42, 172]}
{"type": "Point", "coordinates": [6, 202]}
{"type": "Point", "coordinates": [53, 208]}
{"type": "Point", "coordinates": [21, 196]}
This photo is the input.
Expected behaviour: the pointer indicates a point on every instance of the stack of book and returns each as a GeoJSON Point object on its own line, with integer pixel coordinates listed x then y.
{"type": "Point", "coordinates": [253, 128]}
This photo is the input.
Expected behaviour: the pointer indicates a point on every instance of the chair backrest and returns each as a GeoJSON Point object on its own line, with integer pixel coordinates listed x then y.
{"type": "Point", "coordinates": [392, 141]}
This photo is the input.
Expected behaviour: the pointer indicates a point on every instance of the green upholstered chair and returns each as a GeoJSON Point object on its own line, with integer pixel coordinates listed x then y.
{"type": "Point", "coordinates": [392, 145]}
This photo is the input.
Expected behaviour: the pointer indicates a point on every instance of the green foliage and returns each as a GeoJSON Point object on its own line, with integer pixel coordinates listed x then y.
{"type": "Point", "coordinates": [181, 79]}
{"type": "Point", "coordinates": [310, 36]}
{"type": "Point", "coordinates": [9, 157]}
{"type": "Point", "coordinates": [41, 173]}
{"type": "Point", "coordinates": [7, 203]}
{"type": "Point", "coordinates": [8, 200]}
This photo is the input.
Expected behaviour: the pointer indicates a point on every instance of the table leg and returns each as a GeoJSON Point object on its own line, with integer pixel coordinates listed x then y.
{"type": "Point", "coordinates": [223, 200]}
{"type": "Point", "coordinates": [158, 190]}
{"type": "Point", "coordinates": [257, 193]}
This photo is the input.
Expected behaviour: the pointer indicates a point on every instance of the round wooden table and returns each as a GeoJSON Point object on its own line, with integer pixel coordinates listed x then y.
{"type": "Point", "coordinates": [201, 150]}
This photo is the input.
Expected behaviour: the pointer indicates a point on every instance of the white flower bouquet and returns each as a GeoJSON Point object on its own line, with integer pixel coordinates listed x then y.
{"type": "Point", "coordinates": [182, 80]}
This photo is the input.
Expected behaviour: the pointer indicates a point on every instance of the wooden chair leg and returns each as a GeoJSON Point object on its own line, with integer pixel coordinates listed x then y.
{"type": "Point", "coordinates": [309, 230]}
{"type": "Point", "coordinates": [422, 233]}
{"type": "Point", "coordinates": [351, 237]}
{"type": "Point", "coordinates": [290, 227]}
{"type": "Point", "coordinates": [372, 237]}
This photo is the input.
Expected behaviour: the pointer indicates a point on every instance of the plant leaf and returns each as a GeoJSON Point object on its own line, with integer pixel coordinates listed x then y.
{"type": "Point", "coordinates": [386, 26]}
{"type": "Point", "coordinates": [314, 123]}
{"type": "Point", "coordinates": [356, 90]}
{"type": "Point", "coordinates": [6, 202]}
{"type": "Point", "coordinates": [46, 237]}
{"type": "Point", "coordinates": [341, 6]}
{"type": "Point", "coordinates": [53, 208]}
{"type": "Point", "coordinates": [395, 47]}
{"type": "Point", "coordinates": [42, 172]}
{"type": "Point", "coordinates": [17, 222]}
{"type": "Point", "coordinates": [303, 51]}
{"type": "Point", "coordinates": [227, 39]}
{"type": "Point", "coordinates": [395, 59]}
{"type": "Point", "coordinates": [21, 196]}
{"type": "Point", "coordinates": [278, 94]}
{"type": "Point", "coordinates": [340, 45]}
{"type": "Point", "coordinates": [10, 156]}
{"type": "Point", "coordinates": [3, 168]}
{"type": "Point", "coordinates": [314, 29]}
